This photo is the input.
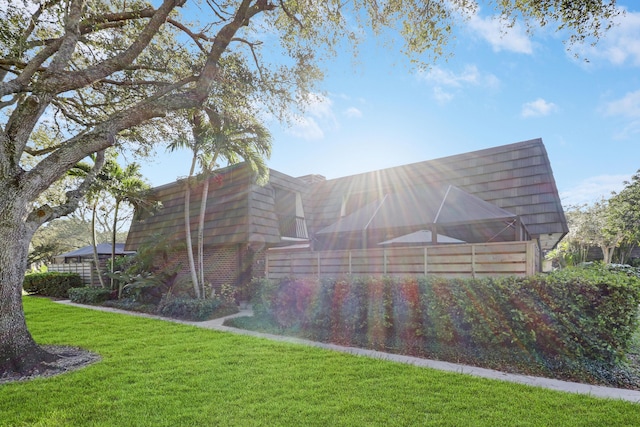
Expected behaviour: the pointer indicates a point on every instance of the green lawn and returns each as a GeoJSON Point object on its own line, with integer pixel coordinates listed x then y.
{"type": "Point", "coordinates": [156, 373]}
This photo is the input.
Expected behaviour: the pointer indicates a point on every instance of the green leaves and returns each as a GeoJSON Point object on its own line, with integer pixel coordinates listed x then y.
{"type": "Point", "coordinates": [569, 319]}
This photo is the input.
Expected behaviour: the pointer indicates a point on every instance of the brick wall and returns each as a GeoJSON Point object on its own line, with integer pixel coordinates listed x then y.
{"type": "Point", "coordinates": [221, 265]}
{"type": "Point", "coordinates": [234, 264]}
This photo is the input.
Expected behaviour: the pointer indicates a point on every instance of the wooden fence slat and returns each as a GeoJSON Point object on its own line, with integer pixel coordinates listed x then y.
{"type": "Point", "coordinates": [459, 260]}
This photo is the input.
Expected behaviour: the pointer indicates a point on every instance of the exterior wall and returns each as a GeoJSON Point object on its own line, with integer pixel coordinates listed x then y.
{"type": "Point", "coordinates": [234, 265]}
{"type": "Point", "coordinates": [459, 260]}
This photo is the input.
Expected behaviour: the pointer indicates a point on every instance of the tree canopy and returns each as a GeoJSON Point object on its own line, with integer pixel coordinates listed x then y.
{"type": "Point", "coordinates": [612, 224]}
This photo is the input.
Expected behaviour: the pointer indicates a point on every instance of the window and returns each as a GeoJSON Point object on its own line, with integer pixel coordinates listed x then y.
{"type": "Point", "coordinates": [290, 214]}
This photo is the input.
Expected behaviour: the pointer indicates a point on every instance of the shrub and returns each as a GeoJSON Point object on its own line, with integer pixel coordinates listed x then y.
{"type": "Point", "coordinates": [89, 295]}
{"type": "Point", "coordinates": [130, 304]}
{"type": "Point", "coordinates": [51, 284]}
{"type": "Point", "coordinates": [284, 303]}
{"type": "Point", "coordinates": [578, 314]}
{"type": "Point", "coordinates": [262, 301]}
{"type": "Point", "coordinates": [247, 291]}
{"type": "Point", "coordinates": [150, 273]}
{"type": "Point", "coordinates": [194, 309]}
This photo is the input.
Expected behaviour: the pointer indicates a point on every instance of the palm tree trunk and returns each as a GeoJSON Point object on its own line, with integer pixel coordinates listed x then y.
{"type": "Point", "coordinates": [96, 259]}
{"type": "Point", "coordinates": [113, 247]}
{"type": "Point", "coordinates": [187, 230]}
{"type": "Point", "coordinates": [203, 208]}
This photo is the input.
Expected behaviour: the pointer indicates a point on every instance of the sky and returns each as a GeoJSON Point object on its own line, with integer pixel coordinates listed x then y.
{"type": "Point", "coordinates": [495, 89]}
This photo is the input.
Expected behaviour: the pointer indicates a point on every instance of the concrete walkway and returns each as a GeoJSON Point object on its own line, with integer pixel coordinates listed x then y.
{"type": "Point", "coordinates": [553, 384]}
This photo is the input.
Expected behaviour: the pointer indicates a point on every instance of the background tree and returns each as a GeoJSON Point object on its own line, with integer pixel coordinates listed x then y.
{"type": "Point", "coordinates": [625, 210]}
{"type": "Point", "coordinates": [600, 228]}
{"type": "Point", "coordinates": [114, 73]}
{"type": "Point", "coordinates": [73, 232]}
{"type": "Point", "coordinates": [590, 226]}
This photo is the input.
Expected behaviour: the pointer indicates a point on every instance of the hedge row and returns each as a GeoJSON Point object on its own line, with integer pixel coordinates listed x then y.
{"type": "Point", "coordinates": [51, 284]}
{"type": "Point", "coordinates": [194, 309]}
{"type": "Point", "coordinates": [89, 295]}
{"type": "Point", "coordinates": [577, 314]}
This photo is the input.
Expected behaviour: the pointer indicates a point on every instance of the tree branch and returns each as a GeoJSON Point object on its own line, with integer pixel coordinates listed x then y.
{"type": "Point", "coordinates": [196, 37]}
{"type": "Point", "coordinates": [47, 213]}
{"type": "Point", "coordinates": [290, 15]}
{"type": "Point", "coordinates": [253, 53]}
{"type": "Point", "coordinates": [70, 81]}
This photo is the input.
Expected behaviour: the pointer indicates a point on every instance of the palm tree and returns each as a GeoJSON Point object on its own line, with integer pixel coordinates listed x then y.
{"type": "Point", "coordinates": [126, 185]}
{"type": "Point", "coordinates": [218, 137]}
{"type": "Point", "coordinates": [93, 196]}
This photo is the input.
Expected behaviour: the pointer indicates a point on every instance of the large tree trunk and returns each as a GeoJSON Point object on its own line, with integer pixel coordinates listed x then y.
{"type": "Point", "coordinates": [19, 354]}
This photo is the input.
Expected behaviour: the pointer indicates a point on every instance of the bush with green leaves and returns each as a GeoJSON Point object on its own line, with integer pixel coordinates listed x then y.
{"type": "Point", "coordinates": [283, 302]}
{"type": "Point", "coordinates": [195, 309]}
{"type": "Point", "coordinates": [584, 314]}
{"type": "Point", "coordinates": [89, 295]}
{"type": "Point", "coordinates": [151, 273]}
{"type": "Point", "coordinates": [51, 284]}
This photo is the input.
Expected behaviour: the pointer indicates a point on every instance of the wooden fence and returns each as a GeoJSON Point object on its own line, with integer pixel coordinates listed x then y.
{"type": "Point", "coordinates": [84, 269]}
{"type": "Point", "coordinates": [459, 260]}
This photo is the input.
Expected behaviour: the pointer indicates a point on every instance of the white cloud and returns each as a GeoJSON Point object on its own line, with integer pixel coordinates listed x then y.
{"type": "Point", "coordinates": [353, 113]}
{"type": "Point", "coordinates": [318, 116]}
{"type": "Point", "coordinates": [627, 106]}
{"type": "Point", "coordinates": [320, 106]}
{"type": "Point", "coordinates": [306, 128]}
{"type": "Point", "coordinates": [538, 108]}
{"type": "Point", "coordinates": [446, 82]}
{"type": "Point", "coordinates": [321, 114]}
{"type": "Point", "coordinates": [443, 77]}
{"type": "Point", "coordinates": [620, 45]}
{"type": "Point", "coordinates": [593, 189]}
{"type": "Point", "coordinates": [441, 95]}
{"type": "Point", "coordinates": [500, 35]}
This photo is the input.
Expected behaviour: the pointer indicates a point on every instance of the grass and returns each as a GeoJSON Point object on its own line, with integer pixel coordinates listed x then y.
{"type": "Point", "coordinates": [625, 375]}
{"type": "Point", "coordinates": [156, 373]}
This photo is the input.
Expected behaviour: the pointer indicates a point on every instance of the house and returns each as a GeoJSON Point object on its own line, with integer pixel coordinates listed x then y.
{"type": "Point", "coordinates": [242, 220]}
{"type": "Point", "coordinates": [81, 261]}
{"type": "Point", "coordinates": [501, 194]}
{"type": "Point", "coordinates": [85, 254]}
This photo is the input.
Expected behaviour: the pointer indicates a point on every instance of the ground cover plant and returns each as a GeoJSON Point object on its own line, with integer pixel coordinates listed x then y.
{"type": "Point", "coordinates": [157, 373]}
{"type": "Point", "coordinates": [575, 324]}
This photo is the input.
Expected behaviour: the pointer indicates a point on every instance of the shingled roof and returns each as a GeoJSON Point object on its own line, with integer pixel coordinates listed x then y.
{"type": "Point", "coordinates": [515, 177]}
{"type": "Point", "coordinates": [238, 211]}
{"type": "Point", "coordinates": [512, 180]}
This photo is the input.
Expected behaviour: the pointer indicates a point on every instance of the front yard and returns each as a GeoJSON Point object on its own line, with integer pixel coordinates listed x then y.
{"type": "Point", "coordinates": [156, 373]}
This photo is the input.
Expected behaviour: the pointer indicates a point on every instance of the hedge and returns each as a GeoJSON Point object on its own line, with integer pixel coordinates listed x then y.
{"type": "Point", "coordinates": [51, 284]}
{"type": "Point", "coordinates": [194, 309]}
{"type": "Point", "coordinates": [89, 295]}
{"type": "Point", "coordinates": [573, 314]}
